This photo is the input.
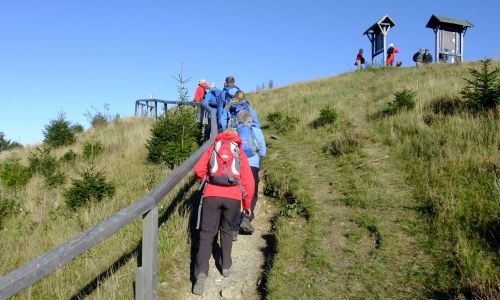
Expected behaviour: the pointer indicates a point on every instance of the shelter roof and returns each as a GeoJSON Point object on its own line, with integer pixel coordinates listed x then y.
{"type": "Point", "coordinates": [377, 27]}
{"type": "Point", "coordinates": [448, 23]}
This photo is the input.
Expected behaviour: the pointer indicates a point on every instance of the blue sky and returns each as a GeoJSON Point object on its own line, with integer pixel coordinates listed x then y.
{"type": "Point", "coordinates": [75, 56]}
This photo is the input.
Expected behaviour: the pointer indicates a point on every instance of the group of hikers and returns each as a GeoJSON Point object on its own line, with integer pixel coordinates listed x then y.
{"type": "Point", "coordinates": [422, 56]}
{"type": "Point", "coordinates": [229, 176]}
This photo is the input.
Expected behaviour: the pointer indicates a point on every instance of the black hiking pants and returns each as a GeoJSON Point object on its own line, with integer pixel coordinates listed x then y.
{"type": "Point", "coordinates": [215, 211]}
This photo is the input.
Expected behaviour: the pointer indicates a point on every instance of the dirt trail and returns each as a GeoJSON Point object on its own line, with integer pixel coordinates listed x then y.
{"type": "Point", "coordinates": [248, 262]}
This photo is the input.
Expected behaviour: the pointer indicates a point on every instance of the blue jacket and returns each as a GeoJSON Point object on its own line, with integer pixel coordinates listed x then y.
{"type": "Point", "coordinates": [259, 136]}
{"type": "Point", "coordinates": [226, 96]}
{"type": "Point", "coordinates": [225, 115]}
{"type": "Point", "coordinates": [212, 97]}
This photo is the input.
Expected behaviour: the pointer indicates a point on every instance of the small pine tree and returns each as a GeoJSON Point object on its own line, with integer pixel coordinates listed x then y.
{"type": "Point", "coordinates": [174, 137]}
{"type": "Point", "coordinates": [59, 132]}
{"type": "Point", "coordinates": [271, 84]}
{"type": "Point", "coordinates": [482, 92]}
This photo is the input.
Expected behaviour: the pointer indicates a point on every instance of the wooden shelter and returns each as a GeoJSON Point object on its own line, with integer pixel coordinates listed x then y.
{"type": "Point", "coordinates": [449, 42]}
{"type": "Point", "coordinates": [377, 34]}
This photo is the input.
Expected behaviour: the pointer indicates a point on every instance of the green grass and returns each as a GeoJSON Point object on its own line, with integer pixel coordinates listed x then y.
{"type": "Point", "coordinates": [405, 207]}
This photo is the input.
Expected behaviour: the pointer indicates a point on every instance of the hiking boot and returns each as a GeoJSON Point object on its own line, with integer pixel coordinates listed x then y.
{"type": "Point", "coordinates": [246, 226]}
{"type": "Point", "coordinates": [235, 235]}
{"type": "Point", "coordinates": [226, 272]}
{"type": "Point", "coordinates": [199, 285]}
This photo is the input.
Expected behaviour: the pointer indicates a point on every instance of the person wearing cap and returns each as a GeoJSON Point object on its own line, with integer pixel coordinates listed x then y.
{"type": "Point", "coordinates": [391, 54]}
{"type": "Point", "coordinates": [201, 90]}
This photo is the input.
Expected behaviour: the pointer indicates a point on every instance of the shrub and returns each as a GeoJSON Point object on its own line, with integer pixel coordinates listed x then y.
{"type": "Point", "coordinates": [92, 187]}
{"type": "Point", "coordinates": [69, 156]}
{"type": "Point", "coordinates": [174, 137]}
{"type": "Point", "coordinates": [58, 132]}
{"type": "Point", "coordinates": [99, 118]}
{"type": "Point", "coordinates": [403, 100]}
{"type": "Point", "coordinates": [7, 144]}
{"type": "Point", "coordinates": [327, 115]}
{"type": "Point", "coordinates": [482, 92]}
{"type": "Point", "coordinates": [8, 206]}
{"type": "Point", "coordinates": [47, 165]}
{"type": "Point", "coordinates": [77, 128]}
{"type": "Point", "coordinates": [282, 122]}
{"type": "Point", "coordinates": [13, 174]}
{"type": "Point", "coordinates": [92, 149]}
{"type": "Point", "coordinates": [346, 142]}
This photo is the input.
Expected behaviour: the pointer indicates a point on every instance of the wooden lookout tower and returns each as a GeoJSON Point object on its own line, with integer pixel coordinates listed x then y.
{"type": "Point", "coordinates": [449, 38]}
{"type": "Point", "coordinates": [377, 34]}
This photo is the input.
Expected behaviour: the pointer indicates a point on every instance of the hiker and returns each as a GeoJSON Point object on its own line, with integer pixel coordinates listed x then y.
{"type": "Point", "coordinates": [360, 60]}
{"type": "Point", "coordinates": [418, 57]}
{"type": "Point", "coordinates": [223, 196]}
{"type": "Point", "coordinates": [229, 115]}
{"type": "Point", "coordinates": [201, 90]}
{"type": "Point", "coordinates": [254, 145]}
{"type": "Point", "coordinates": [213, 95]}
{"type": "Point", "coordinates": [391, 54]}
{"type": "Point", "coordinates": [427, 57]}
{"type": "Point", "coordinates": [228, 93]}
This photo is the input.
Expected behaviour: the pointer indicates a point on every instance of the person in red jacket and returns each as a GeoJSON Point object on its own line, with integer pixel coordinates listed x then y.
{"type": "Point", "coordinates": [199, 94]}
{"type": "Point", "coordinates": [220, 206]}
{"type": "Point", "coordinates": [391, 54]}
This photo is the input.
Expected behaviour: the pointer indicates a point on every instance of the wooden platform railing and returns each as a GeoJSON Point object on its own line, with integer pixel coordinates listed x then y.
{"type": "Point", "coordinates": [147, 207]}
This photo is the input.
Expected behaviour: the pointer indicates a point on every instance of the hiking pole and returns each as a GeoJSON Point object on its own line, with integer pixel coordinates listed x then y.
{"type": "Point", "coordinates": [200, 206]}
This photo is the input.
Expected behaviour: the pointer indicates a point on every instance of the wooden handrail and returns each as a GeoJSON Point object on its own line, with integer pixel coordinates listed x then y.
{"type": "Point", "coordinates": [31, 272]}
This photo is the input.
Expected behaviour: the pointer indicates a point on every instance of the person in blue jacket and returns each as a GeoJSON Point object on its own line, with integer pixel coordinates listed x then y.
{"type": "Point", "coordinates": [228, 116]}
{"type": "Point", "coordinates": [212, 97]}
{"type": "Point", "coordinates": [243, 221]}
{"type": "Point", "coordinates": [227, 94]}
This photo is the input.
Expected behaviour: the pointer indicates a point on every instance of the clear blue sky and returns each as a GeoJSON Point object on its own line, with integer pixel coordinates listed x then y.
{"type": "Point", "coordinates": [72, 56]}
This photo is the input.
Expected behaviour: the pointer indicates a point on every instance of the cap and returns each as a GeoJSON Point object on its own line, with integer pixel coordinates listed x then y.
{"type": "Point", "coordinates": [391, 45]}
{"type": "Point", "coordinates": [202, 81]}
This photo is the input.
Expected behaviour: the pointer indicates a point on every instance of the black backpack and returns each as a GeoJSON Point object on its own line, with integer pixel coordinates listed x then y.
{"type": "Point", "coordinates": [390, 50]}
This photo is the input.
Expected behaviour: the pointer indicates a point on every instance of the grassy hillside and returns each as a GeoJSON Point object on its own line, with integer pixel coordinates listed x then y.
{"type": "Point", "coordinates": [397, 206]}
{"type": "Point", "coordinates": [372, 205]}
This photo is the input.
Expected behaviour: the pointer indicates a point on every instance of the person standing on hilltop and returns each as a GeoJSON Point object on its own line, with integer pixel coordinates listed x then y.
{"type": "Point", "coordinates": [360, 60]}
{"type": "Point", "coordinates": [228, 185]}
{"type": "Point", "coordinates": [391, 54]}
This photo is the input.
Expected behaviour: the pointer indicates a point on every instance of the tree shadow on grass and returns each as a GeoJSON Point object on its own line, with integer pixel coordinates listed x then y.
{"type": "Point", "coordinates": [187, 205]}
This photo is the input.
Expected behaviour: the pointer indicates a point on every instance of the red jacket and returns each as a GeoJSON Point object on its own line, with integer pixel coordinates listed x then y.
{"type": "Point", "coordinates": [232, 192]}
{"type": "Point", "coordinates": [199, 94]}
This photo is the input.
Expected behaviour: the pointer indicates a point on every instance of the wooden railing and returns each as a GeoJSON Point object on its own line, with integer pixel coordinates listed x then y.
{"type": "Point", "coordinates": [146, 280]}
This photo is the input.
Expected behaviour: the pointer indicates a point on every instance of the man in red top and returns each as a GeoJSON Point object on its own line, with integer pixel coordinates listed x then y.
{"type": "Point", "coordinates": [220, 205]}
{"type": "Point", "coordinates": [199, 94]}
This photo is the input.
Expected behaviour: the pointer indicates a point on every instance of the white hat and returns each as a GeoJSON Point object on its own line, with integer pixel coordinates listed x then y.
{"type": "Point", "coordinates": [391, 45]}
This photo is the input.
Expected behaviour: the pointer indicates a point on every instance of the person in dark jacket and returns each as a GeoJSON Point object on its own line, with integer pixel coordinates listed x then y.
{"type": "Point", "coordinates": [220, 206]}
{"type": "Point", "coordinates": [427, 57]}
{"type": "Point", "coordinates": [360, 60]}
